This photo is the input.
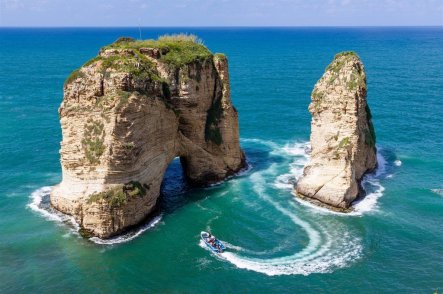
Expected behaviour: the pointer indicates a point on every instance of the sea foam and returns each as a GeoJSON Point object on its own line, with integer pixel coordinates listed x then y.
{"type": "Point", "coordinates": [40, 204]}
{"type": "Point", "coordinates": [331, 244]}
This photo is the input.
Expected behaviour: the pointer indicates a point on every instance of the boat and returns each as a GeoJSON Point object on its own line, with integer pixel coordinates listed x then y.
{"type": "Point", "coordinates": [216, 245]}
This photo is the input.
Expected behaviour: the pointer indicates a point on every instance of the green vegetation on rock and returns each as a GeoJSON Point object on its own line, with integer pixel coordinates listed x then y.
{"type": "Point", "coordinates": [355, 79]}
{"type": "Point", "coordinates": [317, 98]}
{"type": "Point", "coordinates": [218, 56]}
{"type": "Point", "coordinates": [120, 194]}
{"type": "Point", "coordinates": [175, 50]}
{"type": "Point", "coordinates": [344, 143]}
{"type": "Point", "coordinates": [73, 76]}
{"type": "Point", "coordinates": [93, 139]}
{"type": "Point", "coordinates": [346, 54]}
{"type": "Point", "coordinates": [137, 65]}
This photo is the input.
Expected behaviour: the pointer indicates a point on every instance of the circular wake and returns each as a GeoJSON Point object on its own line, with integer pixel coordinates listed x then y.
{"type": "Point", "coordinates": [40, 203]}
{"type": "Point", "coordinates": [331, 243]}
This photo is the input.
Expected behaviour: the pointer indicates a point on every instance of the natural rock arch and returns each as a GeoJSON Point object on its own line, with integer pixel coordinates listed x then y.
{"type": "Point", "coordinates": [127, 114]}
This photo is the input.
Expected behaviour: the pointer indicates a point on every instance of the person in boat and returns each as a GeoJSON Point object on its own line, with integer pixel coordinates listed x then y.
{"type": "Point", "coordinates": [211, 239]}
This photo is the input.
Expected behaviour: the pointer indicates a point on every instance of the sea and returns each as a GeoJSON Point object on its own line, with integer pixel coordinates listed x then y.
{"type": "Point", "coordinates": [392, 242]}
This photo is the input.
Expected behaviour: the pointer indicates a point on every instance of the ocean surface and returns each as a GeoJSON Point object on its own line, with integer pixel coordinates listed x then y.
{"type": "Point", "coordinates": [391, 243]}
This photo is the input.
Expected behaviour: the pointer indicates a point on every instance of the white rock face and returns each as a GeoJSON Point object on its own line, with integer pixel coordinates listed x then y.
{"type": "Point", "coordinates": [125, 116]}
{"type": "Point", "coordinates": [342, 136]}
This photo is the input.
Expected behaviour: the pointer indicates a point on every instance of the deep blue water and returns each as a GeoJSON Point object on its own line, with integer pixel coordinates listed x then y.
{"type": "Point", "coordinates": [393, 243]}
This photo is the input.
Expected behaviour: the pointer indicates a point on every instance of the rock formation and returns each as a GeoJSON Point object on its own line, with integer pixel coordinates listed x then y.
{"type": "Point", "coordinates": [127, 113]}
{"type": "Point", "coordinates": [342, 136]}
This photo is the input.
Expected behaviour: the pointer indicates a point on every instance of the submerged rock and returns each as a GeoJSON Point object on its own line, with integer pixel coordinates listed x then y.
{"type": "Point", "coordinates": [127, 114]}
{"type": "Point", "coordinates": [342, 136]}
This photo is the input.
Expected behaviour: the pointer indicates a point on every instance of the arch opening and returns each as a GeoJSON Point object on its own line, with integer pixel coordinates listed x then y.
{"type": "Point", "coordinates": [174, 187]}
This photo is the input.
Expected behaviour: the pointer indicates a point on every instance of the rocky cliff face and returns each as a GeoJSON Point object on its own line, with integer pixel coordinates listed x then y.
{"type": "Point", "coordinates": [127, 114]}
{"type": "Point", "coordinates": [342, 135]}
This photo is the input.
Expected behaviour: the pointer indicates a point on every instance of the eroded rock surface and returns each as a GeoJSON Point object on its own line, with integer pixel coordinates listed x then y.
{"type": "Point", "coordinates": [127, 114]}
{"type": "Point", "coordinates": [342, 136]}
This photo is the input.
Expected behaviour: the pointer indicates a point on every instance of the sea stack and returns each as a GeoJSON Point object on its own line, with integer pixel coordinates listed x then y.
{"type": "Point", "coordinates": [127, 113]}
{"type": "Point", "coordinates": [342, 136]}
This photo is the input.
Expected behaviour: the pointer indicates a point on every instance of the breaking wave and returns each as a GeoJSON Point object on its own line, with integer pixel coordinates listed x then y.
{"type": "Point", "coordinates": [331, 245]}
{"type": "Point", "coordinates": [299, 152]}
{"type": "Point", "coordinates": [40, 204]}
{"type": "Point", "coordinates": [129, 235]}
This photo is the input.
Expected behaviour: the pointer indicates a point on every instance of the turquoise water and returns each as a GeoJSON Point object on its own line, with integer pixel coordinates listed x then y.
{"type": "Point", "coordinates": [392, 242]}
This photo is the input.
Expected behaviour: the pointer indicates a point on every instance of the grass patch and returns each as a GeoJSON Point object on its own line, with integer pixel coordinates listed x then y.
{"type": "Point", "coordinates": [138, 66]}
{"type": "Point", "coordinates": [91, 61]}
{"type": "Point", "coordinates": [119, 195]}
{"type": "Point", "coordinates": [178, 50]}
{"type": "Point", "coordinates": [73, 76]}
{"type": "Point", "coordinates": [346, 54]}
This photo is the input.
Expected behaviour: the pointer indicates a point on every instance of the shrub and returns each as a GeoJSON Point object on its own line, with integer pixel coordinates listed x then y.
{"type": "Point", "coordinates": [120, 194]}
{"type": "Point", "coordinates": [346, 54]}
{"type": "Point", "coordinates": [93, 139]}
{"type": "Point", "coordinates": [180, 37]}
{"type": "Point", "coordinates": [178, 50]}
{"type": "Point", "coordinates": [344, 143]}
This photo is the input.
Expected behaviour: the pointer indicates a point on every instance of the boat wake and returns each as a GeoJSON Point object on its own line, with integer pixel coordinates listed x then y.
{"type": "Point", "coordinates": [332, 244]}
{"type": "Point", "coordinates": [40, 204]}
{"type": "Point", "coordinates": [438, 191]}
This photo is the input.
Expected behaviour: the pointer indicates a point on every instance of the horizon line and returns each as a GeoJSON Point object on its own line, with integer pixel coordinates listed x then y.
{"type": "Point", "coordinates": [215, 27]}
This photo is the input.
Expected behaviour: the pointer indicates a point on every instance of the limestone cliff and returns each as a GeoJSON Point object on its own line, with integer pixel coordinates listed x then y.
{"type": "Point", "coordinates": [342, 135]}
{"type": "Point", "coordinates": [127, 113]}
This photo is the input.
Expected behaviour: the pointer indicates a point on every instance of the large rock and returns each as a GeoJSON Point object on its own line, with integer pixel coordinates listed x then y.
{"type": "Point", "coordinates": [342, 136]}
{"type": "Point", "coordinates": [127, 114]}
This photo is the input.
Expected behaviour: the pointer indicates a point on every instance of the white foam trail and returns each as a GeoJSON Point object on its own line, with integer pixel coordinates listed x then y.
{"type": "Point", "coordinates": [327, 248]}
{"type": "Point", "coordinates": [267, 143]}
{"type": "Point", "coordinates": [330, 245]}
{"type": "Point", "coordinates": [128, 236]}
{"type": "Point", "coordinates": [438, 191]}
{"type": "Point", "coordinates": [41, 205]}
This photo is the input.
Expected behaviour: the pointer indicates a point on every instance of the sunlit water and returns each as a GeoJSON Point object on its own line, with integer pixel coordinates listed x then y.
{"type": "Point", "coordinates": [391, 241]}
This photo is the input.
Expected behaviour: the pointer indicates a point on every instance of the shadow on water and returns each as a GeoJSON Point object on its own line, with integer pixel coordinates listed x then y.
{"type": "Point", "coordinates": [175, 192]}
